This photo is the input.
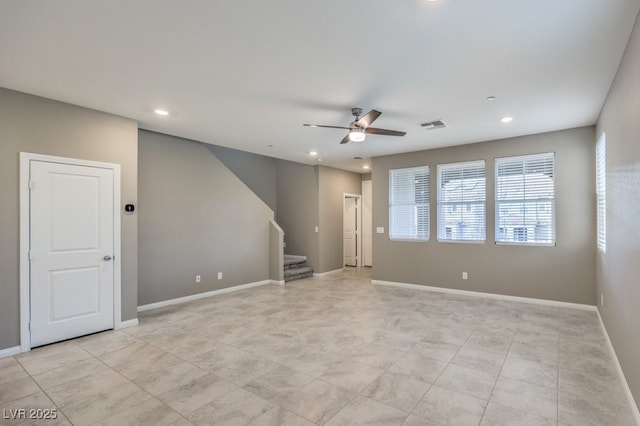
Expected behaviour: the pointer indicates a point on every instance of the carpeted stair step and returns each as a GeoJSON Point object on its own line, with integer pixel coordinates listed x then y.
{"type": "Point", "coordinates": [293, 262]}
{"type": "Point", "coordinates": [298, 273]}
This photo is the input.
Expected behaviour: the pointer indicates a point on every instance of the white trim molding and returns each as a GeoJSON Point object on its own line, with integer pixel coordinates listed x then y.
{"type": "Point", "coordinates": [281, 282]}
{"type": "Point", "coordinates": [5, 353]}
{"type": "Point", "coordinates": [616, 361]}
{"type": "Point", "coordinates": [25, 282]}
{"type": "Point", "coordinates": [530, 300]}
{"type": "Point", "coordinates": [322, 274]}
{"type": "Point", "coordinates": [126, 324]}
{"type": "Point", "coordinates": [204, 295]}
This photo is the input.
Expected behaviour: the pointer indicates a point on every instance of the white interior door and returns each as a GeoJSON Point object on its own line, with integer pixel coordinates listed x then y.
{"type": "Point", "coordinates": [71, 251]}
{"type": "Point", "coordinates": [367, 224]}
{"type": "Point", "coordinates": [350, 231]}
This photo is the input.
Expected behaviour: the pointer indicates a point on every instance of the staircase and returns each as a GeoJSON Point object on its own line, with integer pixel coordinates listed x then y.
{"type": "Point", "coordinates": [295, 268]}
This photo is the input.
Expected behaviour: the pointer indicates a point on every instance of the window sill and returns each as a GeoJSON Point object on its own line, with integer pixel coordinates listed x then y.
{"type": "Point", "coordinates": [462, 241]}
{"type": "Point", "coordinates": [522, 244]}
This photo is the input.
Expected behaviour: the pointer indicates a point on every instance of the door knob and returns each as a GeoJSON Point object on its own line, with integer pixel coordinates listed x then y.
{"type": "Point", "coordinates": [107, 258]}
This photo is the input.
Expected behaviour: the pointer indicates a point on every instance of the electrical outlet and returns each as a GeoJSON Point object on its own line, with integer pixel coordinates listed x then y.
{"type": "Point", "coordinates": [197, 278]}
{"type": "Point", "coordinates": [465, 276]}
{"type": "Point", "coordinates": [219, 275]}
{"type": "Point", "coordinates": [316, 229]}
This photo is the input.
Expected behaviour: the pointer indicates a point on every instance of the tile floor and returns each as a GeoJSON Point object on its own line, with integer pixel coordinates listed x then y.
{"type": "Point", "coordinates": [334, 350]}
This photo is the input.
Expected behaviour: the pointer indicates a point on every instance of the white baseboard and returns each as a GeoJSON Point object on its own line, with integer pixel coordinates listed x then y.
{"type": "Point", "coordinates": [281, 282]}
{"type": "Point", "coordinates": [487, 295]}
{"type": "Point", "coordinates": [127, 323]}
{"type": "Point", "coordinates": [322, 274]}
{"type": "Point", "coordinates": [4, 353]}
{"type": "Point", "coordinates": [201, 295]}
{"type": "Point", "coordinates": [625, 384]}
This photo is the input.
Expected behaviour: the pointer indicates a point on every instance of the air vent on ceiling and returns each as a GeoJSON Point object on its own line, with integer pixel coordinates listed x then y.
{"type": "Point", "coordinates": [357, 158]}
{"type": "Point", "coordinates": [436, 124]}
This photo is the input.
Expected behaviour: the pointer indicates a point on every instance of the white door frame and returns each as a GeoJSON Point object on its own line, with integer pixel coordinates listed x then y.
{"type": "Point", "coordinates": [25, 282]}
{"type": "Point", "coordinates": [367, 231]}
{"type": "Point", "coordinates": [358, 198]}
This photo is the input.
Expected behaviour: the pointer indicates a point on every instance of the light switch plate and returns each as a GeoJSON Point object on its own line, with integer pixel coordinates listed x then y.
{"type": "Point", "coordinates": [380, 230]}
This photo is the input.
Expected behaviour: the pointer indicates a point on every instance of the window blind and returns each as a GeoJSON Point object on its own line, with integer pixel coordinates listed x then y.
{"type": "Point", "coordinates": [409, 203]}
{"type": "Point", "coordinates": [462, 201]}
{"type": "Point", "coordinates": [525, 199]}
{"type": "Point", "coordinates": [601, 189]}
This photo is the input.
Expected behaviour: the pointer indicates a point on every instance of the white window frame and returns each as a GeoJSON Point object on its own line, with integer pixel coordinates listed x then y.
{"type": "Point", "coordinates": [601, 192]}
{"type": "Point", "coordinates": [445, 233]}
{"type": "Point", "coordinates": [499, 228]}
{"type": "Point", "coordinates": [415, 236]}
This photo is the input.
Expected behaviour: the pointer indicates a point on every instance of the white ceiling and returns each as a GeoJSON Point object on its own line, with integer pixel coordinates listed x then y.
{"type": "Point", "coordinates": [248, 74]}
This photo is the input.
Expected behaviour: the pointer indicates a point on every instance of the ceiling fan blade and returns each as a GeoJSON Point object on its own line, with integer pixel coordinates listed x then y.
{"type": "Point", "coordinates": [345, 139]}
{"type": "Point", "coordinates": [366, 120]}
{"type": "Point", "coordinates": [385, 132]}
{"type": "Point", "coordinates": [328, 127]}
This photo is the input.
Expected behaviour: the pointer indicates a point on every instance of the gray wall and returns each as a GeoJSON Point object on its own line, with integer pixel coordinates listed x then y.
{"type": "Point", "coordinates": [196, 218]}
{"type": "Point", "coordinates": [332, 185]}
{"type": "Point", "coordinates": [619, 268]}
{"type": "Point", "coordinates": [258, 172]}
{"type": "Point", "coordinates": [37, 125]}
{"type": "Point", "coordinates": [297, 214]}
{"type": "Point", "coordinates": [564, 273]}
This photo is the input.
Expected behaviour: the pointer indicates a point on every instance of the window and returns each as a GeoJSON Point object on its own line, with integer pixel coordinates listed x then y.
{"type": "Point", "coordinates": [601, 189]}
{"type": "Point", "coordinates": [461, 201]}
{"type": "Point", "coordinates": [409, 203]}
{"type": "Point", "coordinates": [525, 199]}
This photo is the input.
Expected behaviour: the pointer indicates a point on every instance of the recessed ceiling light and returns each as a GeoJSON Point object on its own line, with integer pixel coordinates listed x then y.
{"type": "Point", "coordinates": [162, 112]}
{"type": "Point", "coordinates": [491, 98]}
{"type": "Point", "coordinates": [313, 153]}
{"type": "Point", "coordinates": [506, 119]}
{"type": "Point", "coordinates": [319, 160]}
{"type": "Point", "coordinates": [366, 167]}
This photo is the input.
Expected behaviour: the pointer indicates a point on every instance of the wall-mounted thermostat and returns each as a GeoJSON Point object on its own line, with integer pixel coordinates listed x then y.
{"type": "Point", "coordinates": [129, 208]}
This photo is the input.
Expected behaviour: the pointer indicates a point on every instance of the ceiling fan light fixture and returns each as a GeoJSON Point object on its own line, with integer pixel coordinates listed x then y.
{"type": "Point", "coordinates": [357, 135]}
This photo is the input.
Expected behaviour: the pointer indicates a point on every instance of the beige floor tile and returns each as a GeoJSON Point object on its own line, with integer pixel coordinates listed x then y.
{"type": "Point", "coordinates": [107, 341]}
{"type": "Point", "coordinates": [19, 411]}
{"type": "Point", "coordinates": [499, 415]}
{"type": "Point", "coordinates": [531, 371]}
{"type": "Point", "coordinates": [175, 376]}
{"type": "Point", "coordinates": [68, 373]}
{"type": "Point", "coordinates": [16, 389]}
{"type": "Point", "coordinates": [396, 390]}
{"type": "Point", "coordinates": [419, 367]}
{"type": "Point", "coordinates": [447, 407]}
{"type": "Point", "coordinates": [140, 367]}
{"type": "Point", "coordinates": [479, 360]}
{"type": "Point", "coordinates": [377, 355]}
{"type": "Point", "coordinates": [525, 396]}
{"type": "Point", "coordinates": [318, 401]}
{"type": "Point", "coordinates": [98, 406]}
{"type": "Point", "coordinates": [469, 381]}
{"type": "Point", "coordinates": [351, 375]}
{"type": "Point", "coordinates": [11, 370]}
{"type": "Point", "coordinates": [278, 383]}
{"type": "Point", "coordinates": [150, 412]}
{"type": "Point", "coordinates": [236, 408]}
{"type": "Point", "coordinates": [366, 411]}
{"type": "Point", "coordinates": [278, 416]}
{"type": "Point", "coordinates": [196, 393]}
{"type": "Point", "coordinates": [50, 357]}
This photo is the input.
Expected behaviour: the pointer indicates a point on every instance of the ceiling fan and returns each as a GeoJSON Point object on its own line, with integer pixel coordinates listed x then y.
{"type": "Point", "coordinates": [359, 127]}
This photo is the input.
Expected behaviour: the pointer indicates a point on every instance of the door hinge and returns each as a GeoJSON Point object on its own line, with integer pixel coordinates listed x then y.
{"type": "Point", "coordinates": [30, 184]}
{"type": "Point", "coordinates": [29, 325]}
{"type": "Point", "coordinates": [29, 254]}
